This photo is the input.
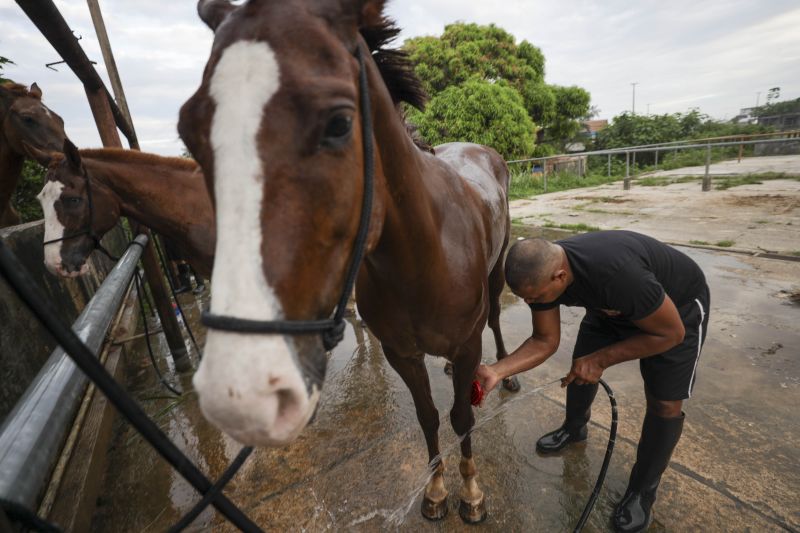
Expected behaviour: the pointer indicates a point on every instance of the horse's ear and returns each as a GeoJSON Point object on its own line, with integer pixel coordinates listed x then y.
{"type": "Point", "coordinates": [213, 12]}
{"type": "Point", "coordinates": [73, 155]}
{"type": "Point", "coordinates": [35, 91]}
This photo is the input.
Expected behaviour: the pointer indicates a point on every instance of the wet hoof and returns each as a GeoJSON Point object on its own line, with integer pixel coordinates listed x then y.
{"type": "Point", "coordinates": [448, 369]}
{"type": "Point", "coordinates": [472, 513]}
{"type": "Point", "coordinates": [511, 384]}
{"type": "Point", "coordinates": [434, 510]}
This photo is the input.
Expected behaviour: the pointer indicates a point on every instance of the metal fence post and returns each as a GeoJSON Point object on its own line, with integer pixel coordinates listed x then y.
{"type": "Point", "coordinates": [544, 175]}
{"type": "Point", "coordinates": [656, 158]}
{"type": "Point", "coordinates": [609, 165]}
{"type": "Point", "coordinates": [626, 183]}
{"type": "Point", "coordinates": [707, 177]}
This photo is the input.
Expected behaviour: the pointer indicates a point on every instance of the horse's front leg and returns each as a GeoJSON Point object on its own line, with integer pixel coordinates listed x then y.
{"type": "Point", "coordinates": [472, 507]}
{"type": "Point", "coordinates": [411, 368]}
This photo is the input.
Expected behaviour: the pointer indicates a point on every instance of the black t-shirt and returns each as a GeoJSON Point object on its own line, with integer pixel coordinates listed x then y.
{"type": "Point", "coordinates": [625, 275]}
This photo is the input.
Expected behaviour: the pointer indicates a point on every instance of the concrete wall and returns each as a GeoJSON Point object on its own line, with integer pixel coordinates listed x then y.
{"type": "Point", "coordinates": [24, 343]}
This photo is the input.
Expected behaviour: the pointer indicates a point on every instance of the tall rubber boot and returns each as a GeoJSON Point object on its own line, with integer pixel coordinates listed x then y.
{"type": "Point", "coordinates": [579, 410]}
{"type": "Point", "coordinates": [659, 437]}
{"type": "Point", "coordinates": [185, 282]}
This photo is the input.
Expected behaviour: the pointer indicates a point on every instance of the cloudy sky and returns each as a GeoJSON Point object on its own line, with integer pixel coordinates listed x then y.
{"type": "Point", "coordinates": [716, 55]}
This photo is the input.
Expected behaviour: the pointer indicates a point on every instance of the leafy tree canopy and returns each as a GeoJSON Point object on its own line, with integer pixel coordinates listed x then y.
{"type": "Point", "coordinates": [473, 52]}
{"type": "Point", "coordinates": [778, 108]}
{"type": "Point", "coordinates": [482, 112]}
{"type": "Point", "coordinates": [4, 61]}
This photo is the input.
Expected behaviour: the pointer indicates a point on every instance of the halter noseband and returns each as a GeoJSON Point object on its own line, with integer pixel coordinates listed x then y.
{"type": "Point", "coordinates": [332, 329]}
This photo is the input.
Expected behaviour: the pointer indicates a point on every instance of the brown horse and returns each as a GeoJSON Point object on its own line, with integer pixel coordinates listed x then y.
{"type": "Point", "coordinates": [87, 191]}
{"type": "Point", "coordinates": [275, 126]}
{"type": "Point", "coordinates": [27, 129]}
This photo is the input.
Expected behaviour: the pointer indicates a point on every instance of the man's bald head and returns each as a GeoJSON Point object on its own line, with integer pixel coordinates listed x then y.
{"type": "Point", "coordinates": [531, 262]}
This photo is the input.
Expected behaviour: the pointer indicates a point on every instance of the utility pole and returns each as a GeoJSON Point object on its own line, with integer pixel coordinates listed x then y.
{"type": "Point", "coordinates": [758, 96]}
{"type": "Point", "coordinates": [648, 109]}
{"type": "Point", "coordinates": [633, 103]}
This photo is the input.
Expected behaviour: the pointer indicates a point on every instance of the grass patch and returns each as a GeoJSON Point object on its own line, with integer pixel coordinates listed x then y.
{"type": "Point", "coordinates": [795, 253]}
{"type": "Point", "coordinates": [753, 179]}
{"type": "Point", "coordinates": [701, 243]}
{"type": "Point", "coordinates": [725, 244]}
{"type": "Point", "coordinates": [571, 227]}
{"type": "Point", "coordinates": [661, 181]}
{"type": "Point", "coordinates": [524, 184]}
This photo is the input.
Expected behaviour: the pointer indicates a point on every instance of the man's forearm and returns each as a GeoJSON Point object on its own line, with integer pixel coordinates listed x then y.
{"type": "Point", "coordinates": [636, 347]}
{"type": "Point", "coordinates": [532, 353]}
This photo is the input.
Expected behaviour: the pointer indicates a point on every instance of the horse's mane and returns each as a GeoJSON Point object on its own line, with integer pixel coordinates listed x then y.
{"type": "Point", "coordinates": [16, 89]}
{"type": "Point", "coordinates": [395, 66]}
{"type": "Point", "coordinates": [120, 155]}
{"type": "Point", "coordinates": [397, 72]}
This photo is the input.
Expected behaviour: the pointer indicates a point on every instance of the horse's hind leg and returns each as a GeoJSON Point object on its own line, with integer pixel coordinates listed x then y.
{"type": "Point", "coordinates": [472, 507]}
{"type": "Point", "coordinates": [497, 280]}
{"type": "Point", "coordinates": [411, 368]}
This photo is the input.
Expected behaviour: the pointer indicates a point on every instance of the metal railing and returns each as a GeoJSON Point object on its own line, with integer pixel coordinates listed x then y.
{"type": "Point", "coordinates": [690, 144]}
{"type": "Point", "coordinates": [32, 435]}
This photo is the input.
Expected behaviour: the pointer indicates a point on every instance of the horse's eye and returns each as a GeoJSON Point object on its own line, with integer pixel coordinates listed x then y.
{"type": "Point", "coordinates": [29, 120]}
{"type": "Point", "coordinates": [72, 201]}
{"type": "Point", "coordinates": [337, 130]}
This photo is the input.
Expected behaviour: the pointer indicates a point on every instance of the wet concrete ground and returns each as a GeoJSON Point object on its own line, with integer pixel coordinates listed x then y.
{"type": "Point", "coordinates": [362, 461]}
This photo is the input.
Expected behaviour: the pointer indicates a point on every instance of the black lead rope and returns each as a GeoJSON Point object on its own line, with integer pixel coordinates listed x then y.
{"type": "Point", "coordinates": [332, 329]}
{"type": "Point", "coordinates": [27, 290]}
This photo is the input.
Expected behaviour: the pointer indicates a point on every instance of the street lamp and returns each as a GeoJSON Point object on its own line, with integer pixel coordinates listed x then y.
{"type": "Point", "coordinates": [633, 103]}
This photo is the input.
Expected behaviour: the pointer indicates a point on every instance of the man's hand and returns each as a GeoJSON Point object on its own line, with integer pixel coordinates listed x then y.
{"type": "Point", "coordinates": [488, 378]}
{"type": "Point", "coordinates": [585, 370]}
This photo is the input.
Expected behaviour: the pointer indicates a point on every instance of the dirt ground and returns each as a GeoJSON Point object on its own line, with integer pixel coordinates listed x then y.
{"type": "Point", "coordinates": [763, 217]}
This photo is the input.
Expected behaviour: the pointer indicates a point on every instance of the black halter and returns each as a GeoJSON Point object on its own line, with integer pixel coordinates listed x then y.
{"type": "Point", "coordinates": [89, 230]}
{"type": "Point", "coordinates": [332, 329]}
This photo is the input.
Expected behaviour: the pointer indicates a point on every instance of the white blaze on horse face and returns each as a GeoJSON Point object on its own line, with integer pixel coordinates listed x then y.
{"type": "Point", "coordinates": [248, 385]}
{"type": "Point", "coordinates": [53, 228]}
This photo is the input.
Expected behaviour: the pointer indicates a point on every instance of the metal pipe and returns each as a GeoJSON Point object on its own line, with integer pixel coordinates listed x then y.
{"type": "Point", "coordinates": [626, 183]}
{"type": "Point", "coordinates": [33, 433]}
{"type": "Point", "coordinates": [651, 148]}
{"type": "Point", "coordinates": [707, 177]}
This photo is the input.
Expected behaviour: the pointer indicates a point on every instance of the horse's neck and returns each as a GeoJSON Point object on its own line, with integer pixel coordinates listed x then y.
{"type": "Point", "coordinates": [405, 199]}
{"type": "Point", "coordinates": [146, 193]}
{"type": "Point", "coordinates": [10, 171]}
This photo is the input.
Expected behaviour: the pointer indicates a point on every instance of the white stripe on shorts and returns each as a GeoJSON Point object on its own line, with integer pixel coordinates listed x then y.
{"type": "Point", "coordinates": [699, 345]}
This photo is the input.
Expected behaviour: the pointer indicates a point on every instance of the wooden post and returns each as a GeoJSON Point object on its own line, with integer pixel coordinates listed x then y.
{"type": "Point", "coordinates": [741, 150]}
{"type": "Point", "coordinates": [101, 110]}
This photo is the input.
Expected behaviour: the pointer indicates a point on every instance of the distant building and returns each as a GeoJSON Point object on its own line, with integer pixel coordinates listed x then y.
{"type": "Point", "coordinates": [783, 122]}
{"type": "Point", "coordinates": [591, 127]}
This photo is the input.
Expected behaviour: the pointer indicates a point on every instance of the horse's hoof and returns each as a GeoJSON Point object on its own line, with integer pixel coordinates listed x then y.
{"type": "Point", "coordinates": [472, 513]}
{"type": "Point", "coordinates": [434, 510]}
{"type": "Point", "coordinates": [448, 369]}
{"type": "Point", "coordinates": [511, 384]}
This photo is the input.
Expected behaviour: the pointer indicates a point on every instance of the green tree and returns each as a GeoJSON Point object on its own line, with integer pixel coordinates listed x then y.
{"type": "Point", "coordinates": [481, 112]}
{"type": "Point", "coordinates": [471, 51]}
{"type": "Point", "coordinates": [4, 61]}
{"type": "Point", "coordinates": [24, 198]}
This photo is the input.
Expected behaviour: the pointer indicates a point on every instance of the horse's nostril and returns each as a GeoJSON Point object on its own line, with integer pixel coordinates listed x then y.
{"type": "Point", "coordinates": [288, 404]}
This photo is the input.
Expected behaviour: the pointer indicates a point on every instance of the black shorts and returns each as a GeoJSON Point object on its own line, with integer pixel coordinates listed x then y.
{"type": "Point", "coordinates": [668, 376]}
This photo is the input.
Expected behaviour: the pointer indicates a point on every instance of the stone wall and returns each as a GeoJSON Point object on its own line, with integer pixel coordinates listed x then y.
{"type": "Point", "coordinates": [24, 344]}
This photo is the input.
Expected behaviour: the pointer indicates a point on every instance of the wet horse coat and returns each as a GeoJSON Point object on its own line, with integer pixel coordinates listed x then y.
{"type": "Point", "coordinates": [166, 194]}
{"type": "Point", "coordinates": [275, 127]}
{"type": "Point", "coordinates": [29, 129]}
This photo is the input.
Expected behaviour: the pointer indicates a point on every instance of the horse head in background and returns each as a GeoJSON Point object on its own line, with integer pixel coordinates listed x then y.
{"type": "Point", "coordinates": [28, 128]}
{"type": "Point", "coordinates": [280, 126]}
{"type": "Point", "coordinates": [87, 191]}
